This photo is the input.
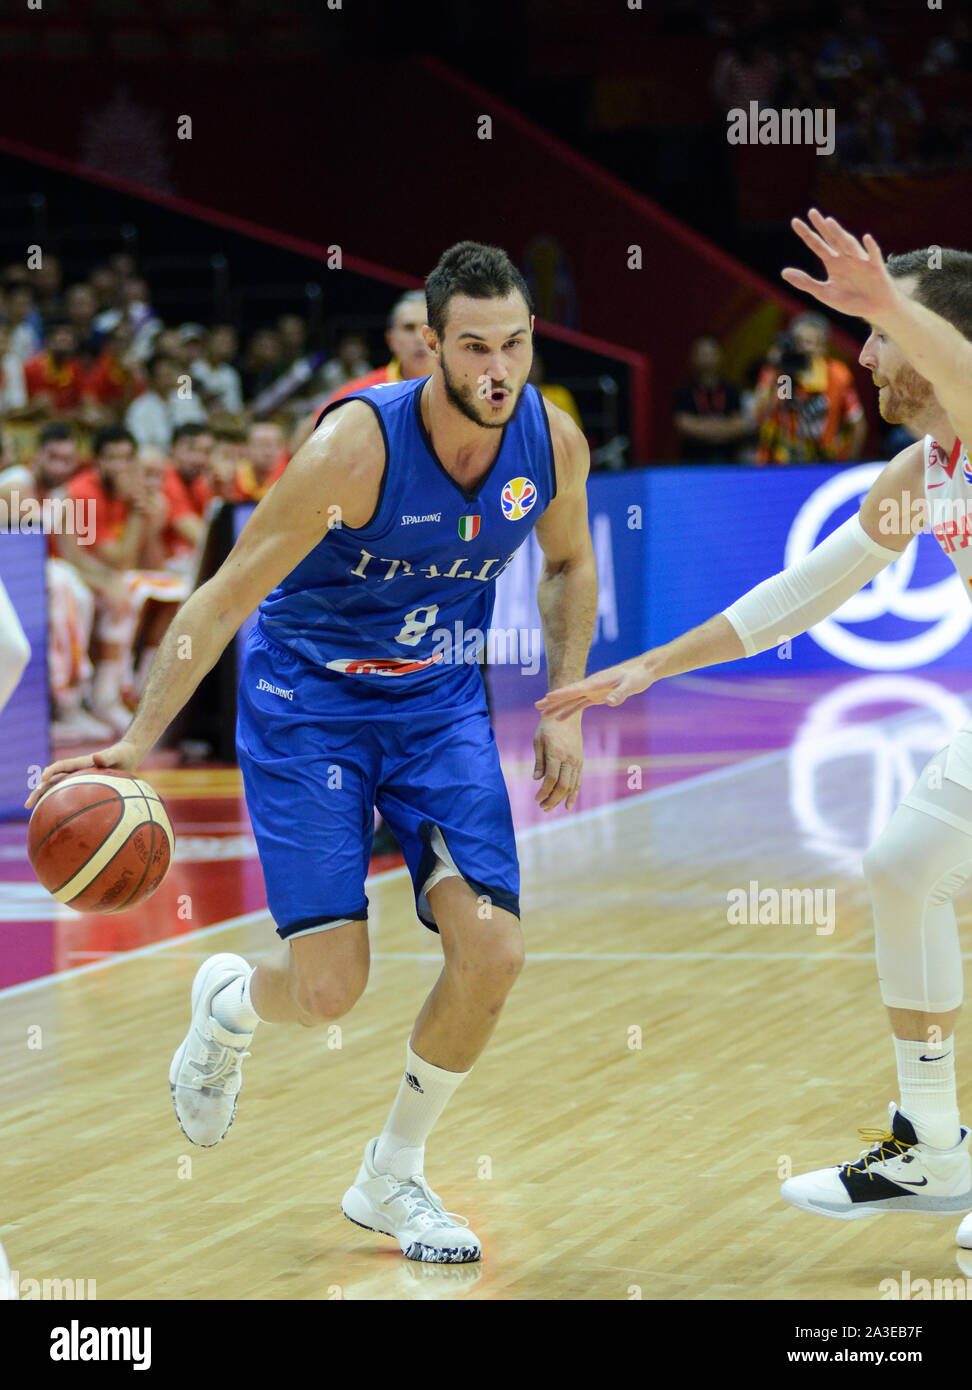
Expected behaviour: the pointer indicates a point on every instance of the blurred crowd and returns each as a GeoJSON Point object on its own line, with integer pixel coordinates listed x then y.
{"type": "Point", "coordinates": [881, 120]}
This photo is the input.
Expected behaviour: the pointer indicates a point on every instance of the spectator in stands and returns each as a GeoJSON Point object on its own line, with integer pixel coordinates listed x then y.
{"type": "Point", "coordinates": [189, 484]}
{"type": "Point", "coordinates": [292, 335]}
{"type": "Point", "coordinates": [851, 49]}
{"type": "Point", "coordinates": [24, 322]}
{"type": "Point", "coordinates": [349, 363]}
{"type": "Point", "coordinates": [13, 388]}
{"type": "Point", "coordinates": [115, 378]}
{"type": "Point", "coordinates": [708, 409]}
{"type": "Point", "coordinates": [136, 310]}
{"type": "Point", "coordinates": [868, 141]}
{"type": "Point", "coordinates": [806, 405]}
{"type": "Point", "coordinates": [47, 280]}
{"type": "Point", "coordinates": [558, 395]}
{"type": "Point", "coordinates": [214, 374]}
{"type": "Point", "coordinates": [746, 71]}
{"type": "Point", "coordinates": [229, 452]}
{"type": "Point", "coordinates": [81, 308]}
{"type": "Point", "coordinates": [262, 363]}
{"type": "Point", "coordinates": [55, 377]}
{"type": "Point", "coordinates": [55, 460]}
{"type": "Point", "coordinates": [123, 512]}
{"type": "Point", "coordinates": [150, 417]}
{"type": "Point", "coordinates": [410, 359]}
{"type": "Point", "coordinates": [266, 458]}
{"type": "Point", "coordinates": [947, 52]}
{"type": "Point", "coordinates": [107, 290]}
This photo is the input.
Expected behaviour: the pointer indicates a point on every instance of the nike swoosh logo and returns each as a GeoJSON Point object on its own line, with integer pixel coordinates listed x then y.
{"type": "Point", "coordinates": [901, 1182]}
{"type": "Point", "coordinates": [934, 485]}
{"type": "Point", "coordinates": [943, 1058]}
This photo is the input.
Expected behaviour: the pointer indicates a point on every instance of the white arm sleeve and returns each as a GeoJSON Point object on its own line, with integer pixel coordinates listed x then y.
{"type": "Point", "coordinates": [809, 591]}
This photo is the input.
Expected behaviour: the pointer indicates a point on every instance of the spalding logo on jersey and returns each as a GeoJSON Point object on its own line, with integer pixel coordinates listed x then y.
{"type": "Point", "coordinates": [517, 497]}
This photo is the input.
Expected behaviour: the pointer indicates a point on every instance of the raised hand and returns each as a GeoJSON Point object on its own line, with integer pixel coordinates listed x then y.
{"type": "Point", "coordinates": [857, 280]}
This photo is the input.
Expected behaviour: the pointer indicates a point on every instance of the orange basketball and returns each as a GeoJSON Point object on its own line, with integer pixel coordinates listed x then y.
{"type": "Point", "coordinates": [100, 841]}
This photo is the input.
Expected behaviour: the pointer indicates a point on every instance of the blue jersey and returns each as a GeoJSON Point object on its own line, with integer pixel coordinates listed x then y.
{"type": "Point", "coordinates": [404, 599]}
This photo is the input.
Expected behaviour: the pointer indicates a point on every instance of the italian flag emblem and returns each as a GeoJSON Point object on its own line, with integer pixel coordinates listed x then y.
{"type": "Point", "coordinates": [469, 527]}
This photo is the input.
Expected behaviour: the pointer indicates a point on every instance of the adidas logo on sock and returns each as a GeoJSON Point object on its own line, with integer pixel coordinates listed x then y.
{"type": "Point", "coordinates": [413, 1082]}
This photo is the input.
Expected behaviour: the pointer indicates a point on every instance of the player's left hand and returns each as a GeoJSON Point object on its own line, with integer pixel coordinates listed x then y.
{"type": "Point", "coordinates": [857, 279]}
{"type": "Point", "coordinates": [559, 762]}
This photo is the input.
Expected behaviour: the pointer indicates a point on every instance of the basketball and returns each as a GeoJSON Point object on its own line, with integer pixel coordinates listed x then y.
{"type": "Point", "coordinates": [100, 841]}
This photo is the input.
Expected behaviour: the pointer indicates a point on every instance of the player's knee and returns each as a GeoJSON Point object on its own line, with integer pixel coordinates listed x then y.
{"type": "Point", "coordinates": [882, 868]}
{"type": "Point", "coordinates": [493, 961]}
{"type": "Point", "coordinates": [327, 999]}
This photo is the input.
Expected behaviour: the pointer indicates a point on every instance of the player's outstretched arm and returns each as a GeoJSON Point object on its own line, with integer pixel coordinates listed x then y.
{"type": "Point", "coordinates": [858, 283]}
{"type": "Point", "coordinates": [781, 607]}
{"type": "Point", "coordinates": [334, 479]}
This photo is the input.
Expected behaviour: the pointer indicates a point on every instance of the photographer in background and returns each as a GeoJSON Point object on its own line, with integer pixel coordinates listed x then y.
{"type": "Point", "coordinates": [806, 406]}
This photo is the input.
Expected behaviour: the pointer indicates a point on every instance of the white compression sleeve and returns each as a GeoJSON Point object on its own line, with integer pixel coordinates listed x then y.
{"type": "Point", "coordinates": [809, 591]}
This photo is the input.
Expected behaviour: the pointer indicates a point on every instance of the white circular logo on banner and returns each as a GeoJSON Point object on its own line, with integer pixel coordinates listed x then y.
{"type": "Point", "coordinates": [943, 605]}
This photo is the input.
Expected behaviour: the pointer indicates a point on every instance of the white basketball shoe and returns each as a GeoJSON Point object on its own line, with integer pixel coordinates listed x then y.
{"type": "Point", "coordinates": [408, 1210]}
{"type": "Point", "coordinates": [207, 1070]}
{"type": "Point", "coordinates": [896, 1174]}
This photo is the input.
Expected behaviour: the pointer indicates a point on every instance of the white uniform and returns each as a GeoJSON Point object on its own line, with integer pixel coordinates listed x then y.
{"type": "Point", "coordinates": [14, 648]}
{"type": "Point", "coordinates": [948, 492]}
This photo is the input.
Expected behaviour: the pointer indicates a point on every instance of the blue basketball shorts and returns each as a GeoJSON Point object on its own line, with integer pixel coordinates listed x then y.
{"type": "Point", "coordinates": [319, 750]}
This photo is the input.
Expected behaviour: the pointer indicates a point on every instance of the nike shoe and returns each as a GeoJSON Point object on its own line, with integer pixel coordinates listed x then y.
{"type": "Point", "coordinates": [897, 1174]}
{"type": "Point", "coordinates": [408, 1210]}
{"type": "Point", "coordinates": [207, 1070]}
{"type": "Point", "coordinates": [963, 1236]}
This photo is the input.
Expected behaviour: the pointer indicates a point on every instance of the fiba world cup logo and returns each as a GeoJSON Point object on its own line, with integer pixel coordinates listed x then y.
{"type": "Point", "coordinates": [517, 497]}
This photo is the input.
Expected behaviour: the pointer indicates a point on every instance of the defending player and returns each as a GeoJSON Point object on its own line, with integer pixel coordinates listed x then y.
{"type": "Point", "coordinates": [381, 543]}
{"type": "Point", "coordinates": [920, 357]}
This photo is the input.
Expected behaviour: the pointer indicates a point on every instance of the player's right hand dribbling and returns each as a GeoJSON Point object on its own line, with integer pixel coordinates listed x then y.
{"type": "Point", "coordinates": [120, 757]}
{"type": "Point", "coordinates": [611, 686]}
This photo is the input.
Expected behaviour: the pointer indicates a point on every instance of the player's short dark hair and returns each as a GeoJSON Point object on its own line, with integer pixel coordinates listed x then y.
{"type": "Point", "coordinates": [112, 434]}
{"type": "Point", "coordinates": [192, 429]}
{"type": "Point", "coordinates": [470, 268]}
{"type": "Point", "coordinates": [55, 433]}
{"type": "Point", "coordinates": [947, 290]}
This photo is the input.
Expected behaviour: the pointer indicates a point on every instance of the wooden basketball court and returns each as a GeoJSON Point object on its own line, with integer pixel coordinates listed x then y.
{"type": "Point", "coordinates": [655, 1071]}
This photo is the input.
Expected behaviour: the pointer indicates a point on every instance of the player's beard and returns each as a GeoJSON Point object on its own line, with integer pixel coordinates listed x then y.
{"type": "Point", "coordinates": [465, 401]}
{"type": "Point", "coordinates": [908, 398]}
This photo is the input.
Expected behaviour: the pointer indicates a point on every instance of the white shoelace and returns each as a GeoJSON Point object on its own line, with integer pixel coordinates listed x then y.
{"type": "Point", "coordinates": [424, 1204]}
{"type": "Point", "coordinates": [216, 1072]}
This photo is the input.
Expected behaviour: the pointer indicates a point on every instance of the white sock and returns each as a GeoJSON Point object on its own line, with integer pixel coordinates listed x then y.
{"type": "Point", "coordinates": [926, 1075]}
{"type": "Point", "coordinates": [232, 1007]}
{"type": "Point", "coordinates": [423, 1095]}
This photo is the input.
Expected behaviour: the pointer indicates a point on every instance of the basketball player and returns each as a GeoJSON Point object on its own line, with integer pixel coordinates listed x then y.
{"type": "Point", "coordinates": [920, 356]}
{"type": "Point", "coordinates": [373, 559]}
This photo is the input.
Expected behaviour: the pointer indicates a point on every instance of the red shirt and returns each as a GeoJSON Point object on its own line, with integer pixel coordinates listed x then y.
{"type": "Point", "coordinates": [184, 499]}
{"type": "Point", "coordinates": [108, 382]}
{"type": "Point", "coordinates": [107, 515]}
{"type": "Point", "coordinates": [390, 372]}
{"type": "Point", "coordinates": [248, 488]}
{"type": "Point", "coordinates": [63, 383]}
